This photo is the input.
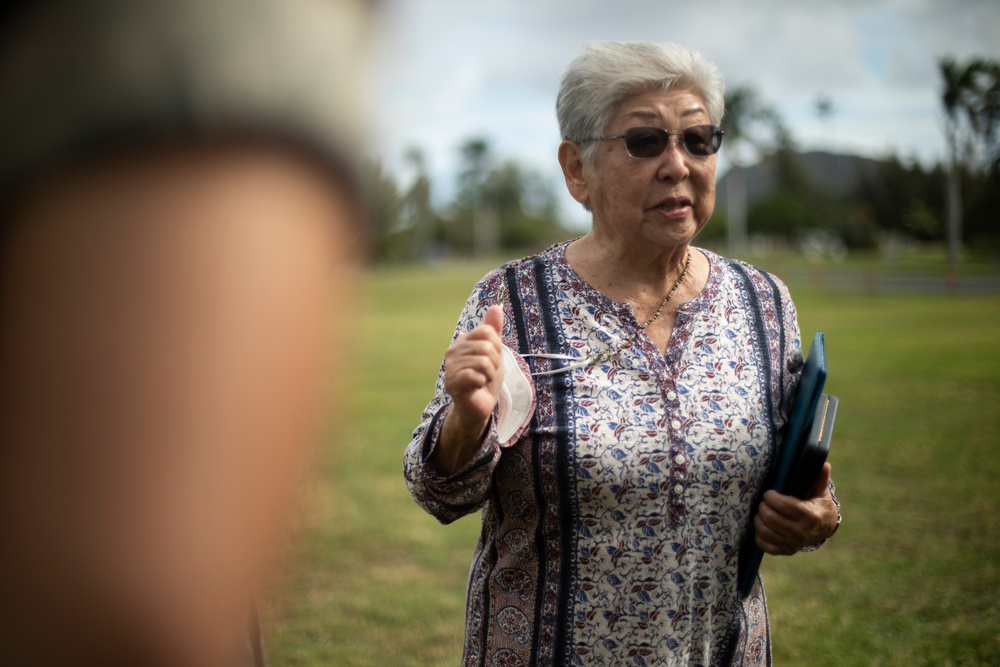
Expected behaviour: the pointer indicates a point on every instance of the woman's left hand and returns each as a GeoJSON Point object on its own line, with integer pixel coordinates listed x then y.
{"type": "Point", "coordinates": [786, 524]}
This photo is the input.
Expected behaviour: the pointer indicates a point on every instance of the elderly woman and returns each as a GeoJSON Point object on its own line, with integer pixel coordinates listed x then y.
{"type": "Point", "coordinates": [657, 377]}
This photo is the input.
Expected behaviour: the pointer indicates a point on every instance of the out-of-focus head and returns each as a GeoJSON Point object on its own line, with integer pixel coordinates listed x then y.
{"type": "Point", "coordinates": [607, 73]}
{"type": "Point", "coordinates": [80, 76]}
{"type": "Point", "coordinates": [181, 213]}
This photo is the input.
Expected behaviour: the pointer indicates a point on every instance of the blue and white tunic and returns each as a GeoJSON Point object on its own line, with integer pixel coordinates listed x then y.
{"type": "Point", "coordinates": [611, 528]}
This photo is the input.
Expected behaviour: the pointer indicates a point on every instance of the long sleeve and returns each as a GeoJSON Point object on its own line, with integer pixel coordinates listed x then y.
{"type": "Point", "coordinates": [450, 498]}
{"type": "Point", "coordinates": [793, 354]}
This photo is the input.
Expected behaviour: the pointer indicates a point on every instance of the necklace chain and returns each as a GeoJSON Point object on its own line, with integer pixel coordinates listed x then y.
{"type": "Point", "coordinates": [605, 355]}
{"type": "Point", "coordinates": [680, 279]}
{"type": "Point", "coordinates": [608, 354]}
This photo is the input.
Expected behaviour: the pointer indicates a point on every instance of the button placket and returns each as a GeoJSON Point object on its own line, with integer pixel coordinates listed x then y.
{"type": "Point", "coordinates": [678, 458]}
{"type": "Point", "coordinates": [678, 479]}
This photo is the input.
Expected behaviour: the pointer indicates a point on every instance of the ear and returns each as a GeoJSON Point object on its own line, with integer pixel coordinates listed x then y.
{"type": "Point", "coordinates": [575, 170]}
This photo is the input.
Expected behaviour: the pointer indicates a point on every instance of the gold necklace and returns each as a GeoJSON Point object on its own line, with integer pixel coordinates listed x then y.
{"type": "Point", "coordinates": [606, 355]}
{"type": "Point", "coordinates": [687, 265]}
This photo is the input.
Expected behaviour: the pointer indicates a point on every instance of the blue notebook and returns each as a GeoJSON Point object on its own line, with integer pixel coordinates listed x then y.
{"type": "Point", "coordinates": [800, 421]}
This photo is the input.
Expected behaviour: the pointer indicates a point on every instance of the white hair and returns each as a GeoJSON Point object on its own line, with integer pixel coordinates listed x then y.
{"type": "Point", "coordinates": [607, 73]}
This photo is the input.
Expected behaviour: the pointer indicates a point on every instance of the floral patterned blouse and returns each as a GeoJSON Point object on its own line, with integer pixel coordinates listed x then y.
{"type": "Point", "coordinates": [611, 528]}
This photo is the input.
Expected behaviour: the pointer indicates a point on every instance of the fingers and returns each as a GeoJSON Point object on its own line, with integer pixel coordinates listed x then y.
{"type": "Point", "coordinates": [474, 368]}
{"type": "Point", "coordinates": [477, 350]}
{"type": "Point", "coordinates": [775, 533]}
{"type": "Point", "coordinates": [494, 319]}
{"type": "Point", "coordinates": [486, 331]}
{"type": "Point", "coordinates": [484, 339]}
{"type": "Point", "coordinates": [776, 548]}
{"type": "Point", "coordinates": [471, 349]}
{"type": "Point", "coordinates": [785, 524]}
{"type": "Point", "coordinates": [792, 508]}
{"type": "Point", "coordinates": [472, 365]}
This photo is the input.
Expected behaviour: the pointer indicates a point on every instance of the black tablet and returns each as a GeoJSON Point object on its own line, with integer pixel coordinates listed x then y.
{"type": "Point", "coordinates": [814, 450]}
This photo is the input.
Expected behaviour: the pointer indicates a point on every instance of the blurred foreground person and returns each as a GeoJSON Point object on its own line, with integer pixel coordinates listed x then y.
{"type": "Point", "coordinates": [180, 214]}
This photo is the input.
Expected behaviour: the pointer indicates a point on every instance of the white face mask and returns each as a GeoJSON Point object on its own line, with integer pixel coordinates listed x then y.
{"type": "Point", "coordinates": [516, 405]}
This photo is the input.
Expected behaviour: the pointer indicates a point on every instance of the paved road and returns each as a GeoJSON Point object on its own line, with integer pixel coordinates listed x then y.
{"type": "Point", "coordinates": [889, 283]}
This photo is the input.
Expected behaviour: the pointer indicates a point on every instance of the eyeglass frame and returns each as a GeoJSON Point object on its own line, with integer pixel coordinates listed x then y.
{"type": "Point", "coordinates": [591, 359]}
{"type": "Point", "coordinates": [716, 132]}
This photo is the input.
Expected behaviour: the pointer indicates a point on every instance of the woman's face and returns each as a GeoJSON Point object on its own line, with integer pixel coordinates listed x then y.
{"type": "Point", "coordinates": [663, 200]}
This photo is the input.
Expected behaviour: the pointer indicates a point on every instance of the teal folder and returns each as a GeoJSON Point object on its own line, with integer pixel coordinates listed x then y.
{"type": "Point", "coordinates": [798, 457]}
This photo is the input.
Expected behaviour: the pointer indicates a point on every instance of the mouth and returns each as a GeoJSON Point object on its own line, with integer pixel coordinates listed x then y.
{"type": "Point", "coordinates": [673, 204]}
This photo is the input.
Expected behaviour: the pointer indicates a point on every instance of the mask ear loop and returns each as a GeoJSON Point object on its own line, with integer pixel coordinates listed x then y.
{"type": "Point", "coordinates": [580, 363]}
{"type": "Point", "coordinates": [586, 361]}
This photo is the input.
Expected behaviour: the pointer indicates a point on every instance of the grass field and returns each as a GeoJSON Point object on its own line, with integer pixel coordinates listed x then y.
{"type": "Point", "coordinates": [912, 578]}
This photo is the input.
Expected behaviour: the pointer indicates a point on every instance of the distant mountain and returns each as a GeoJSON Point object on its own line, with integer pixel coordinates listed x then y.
{"type": "Point", "coordinates": [834, 173]}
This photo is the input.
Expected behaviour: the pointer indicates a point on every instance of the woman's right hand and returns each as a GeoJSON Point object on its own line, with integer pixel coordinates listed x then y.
{"type": "Point", "coordinates": [473, 375]}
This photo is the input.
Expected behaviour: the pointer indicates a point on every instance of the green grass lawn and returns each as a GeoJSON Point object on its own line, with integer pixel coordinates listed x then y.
{"type": "Point", "coordinates": [912, 577]}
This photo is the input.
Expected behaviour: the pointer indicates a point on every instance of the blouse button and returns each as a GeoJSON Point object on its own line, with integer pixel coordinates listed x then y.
{"type": "Point", "coordinates": [671, 395]}
{"type": "Point", "coordinates": [679, 459]}
{"type": "Point", "coordinates": [675, 424]}
{"type": "Point", "coordinates": [678, 489]}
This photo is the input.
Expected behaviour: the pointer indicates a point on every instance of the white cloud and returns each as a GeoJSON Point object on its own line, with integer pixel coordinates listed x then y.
{"type": "Point", "coordinates": [453, 69]}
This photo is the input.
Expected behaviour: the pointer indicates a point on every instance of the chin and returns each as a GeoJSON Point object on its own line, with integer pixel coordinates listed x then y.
{"type": "Point", "coordinates": [676, 233]}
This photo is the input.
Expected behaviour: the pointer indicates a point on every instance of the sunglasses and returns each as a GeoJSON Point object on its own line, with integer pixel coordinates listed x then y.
{"type": "Point", "coordinates": [643, 142]}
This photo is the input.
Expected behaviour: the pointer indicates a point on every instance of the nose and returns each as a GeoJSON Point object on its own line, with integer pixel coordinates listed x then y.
{"type": "Point", "coordinates": [673, 163]}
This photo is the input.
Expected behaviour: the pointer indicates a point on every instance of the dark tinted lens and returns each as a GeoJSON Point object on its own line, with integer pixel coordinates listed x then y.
{"type": "Point", "coordinates": [645, 141]}
{"type": "Point", "coordinates": [702, 139]}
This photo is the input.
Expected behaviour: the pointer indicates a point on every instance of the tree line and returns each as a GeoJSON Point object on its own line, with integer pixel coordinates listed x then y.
{"type": "Point", "coordinates": [503, 206]}
{"type": "Point", "coordinates": [499, 206]}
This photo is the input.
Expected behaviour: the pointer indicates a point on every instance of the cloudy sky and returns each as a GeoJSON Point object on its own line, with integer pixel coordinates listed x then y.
{"type": "Point", "coordinates": [449, 70]}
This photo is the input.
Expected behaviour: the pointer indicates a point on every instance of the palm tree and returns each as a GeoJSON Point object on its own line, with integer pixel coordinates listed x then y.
{"type": "Point", "coordinates": [825, 110]}
{"type": "Point", "coordinates": [971, 101]}
{"type": "Point", "coordinates": [749, 122]}
{"type": "Point", "coordinates": [956, 81]}
{"type": "Point", "coordinates": [476, 159]}
{"type": "Point", "coordinates": [417, 201]}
